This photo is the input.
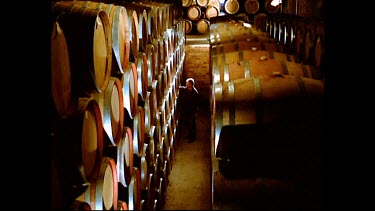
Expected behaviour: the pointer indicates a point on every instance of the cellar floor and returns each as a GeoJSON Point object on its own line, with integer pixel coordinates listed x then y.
{"type": "Point", "coordinates": [189, 185]}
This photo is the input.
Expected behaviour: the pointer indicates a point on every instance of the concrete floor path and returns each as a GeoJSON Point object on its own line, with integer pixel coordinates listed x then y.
{"type": "Point", "coordinates": [189, 185]}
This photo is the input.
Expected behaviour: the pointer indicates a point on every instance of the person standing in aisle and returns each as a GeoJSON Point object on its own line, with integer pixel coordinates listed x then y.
{"type": "Point", "coordinates": [188, 104]}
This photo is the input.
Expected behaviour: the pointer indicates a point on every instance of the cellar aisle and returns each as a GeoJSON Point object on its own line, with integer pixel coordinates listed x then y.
{"type": "Point", "coordinates": [189, 185]}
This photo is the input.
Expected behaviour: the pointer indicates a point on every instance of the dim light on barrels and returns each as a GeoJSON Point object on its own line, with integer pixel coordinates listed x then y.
{"type": "Point", "coordinates": [129, 81]}
{"type": "Point", "coordinates": [102, 194]}
{"type": "Point", "coordinates": [255, 68]}
{"type": "Point", "coordinates": [258, 100]}
{"type": "Point", "coordinates": [112, 109]}
{"type": "Point", "coordinates": [125, 160]}
{"type": "Point", "coordinates": [89, 41]}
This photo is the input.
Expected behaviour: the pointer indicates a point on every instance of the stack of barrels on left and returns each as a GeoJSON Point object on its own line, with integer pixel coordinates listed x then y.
{"type": "Point", "coordinates": [83, 90]}
{"type": "Point", "coordinates": [115, 69]}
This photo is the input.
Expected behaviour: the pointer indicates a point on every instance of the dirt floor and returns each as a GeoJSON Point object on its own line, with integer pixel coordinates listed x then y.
{"type": "Point", "coordinates": [189, 185]}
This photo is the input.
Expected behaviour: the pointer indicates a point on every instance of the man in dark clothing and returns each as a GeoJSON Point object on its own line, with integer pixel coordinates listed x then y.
{"type": "Point", "coordinates": [188, 105]}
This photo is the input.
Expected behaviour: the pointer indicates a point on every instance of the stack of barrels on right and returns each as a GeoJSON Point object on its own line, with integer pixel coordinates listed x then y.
{"type": "Point", "coordinates": [267, 112]}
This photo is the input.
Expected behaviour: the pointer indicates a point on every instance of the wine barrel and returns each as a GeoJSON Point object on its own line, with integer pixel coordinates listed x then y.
{"type": "Point", "coordinates": [159, 46]}
{"type": "Point", "coordinates": [138, 131]}
{"type": "Point", "coordinates": [286, 157]}
{"type": "Point", "coordinates": [151, 150]}
{"type": "Point", "coordinates": [118, 19]}
{"type": "Point", "coordinates": [251, 6]}
{"type": "Point", "coordinates": [151, 19]}
{"type": "Point", "coordinates": [308, 53]}
{"type": "Point", "coordinates": [239, 26]}
{"type": "Point", "coordinates": [166, 79]}
{"type": "Point", "coordinates": [225, 33]}
{"type": "Point", "coordinates": [319, 44]}
{"type": "Point", "coordinates": [231, 6]}
{"type": "Point", "coordinates": [270, 7]}
{"type": "Point", "coordinates": [81, 134]}
{"type": "Point", "coordinates": [186, 3]}
{"type": "Point", "coordinates": [168, 46]}
{"type": "Point", "coordinates": [102, 194]}
{"type": "Point", "coordinates": [122, 205]}
{"type": "Point", "coordinates": [260, 21]}
{"type": "Point", "coordinates": [268, 151]}
{"type": "Point", "coordinates": [111, 104]}
{"type": "Point", "coordinates": [143, 30]}
{"type": "Point", "coordinates": [203, 26]}
{"type": "Point", "coordinates": [163, 12]}
{"type": "Point", "coordinates": [129, 82]}
{"type": "Point", "coordinates": [147, 111]}
{"type": "Point", "coordinates": [254, 68]}
{"type": "Point", "coordinates": [160, 193]}
{"type": "Point", "coordinates": [125, 160]}
{"type": "Point", "coordinates": [151, 64]}
{"type": "Point", "coordinates": [142, 73]}
{"type": "Point", "coordinates": [162, 82]}
{"type": "Point", "coordinates": [194, 12]}
{"type": "Point", "coordinates": [243, 45]}
{"type": "Point", "coordinates": [149, 193]}
{"type": "Point", "coordinates": [212, 11]}
{"type": "Point", "coordinates": [188, 26]}
{"type": "Point", "coordinates": [144, 168]}
{"type": "Point", "coordinates": [215, 3]}
{"type": "Point", "coordinates": [172, 139]}
{"type": "Point", "coordinates": [318, 51]}
{"type": "Point", "coordinates": [133, 34]}
{"type": "Point", "coordinates": [202, 3]}
{"type": "Point", "coordinates": [156, 167]}
{"type": "Point", "coordinates": [89, 42]}
{"type": "Point", "coordinates": [121, 37]}
{"type": "Point", "coordinates": [134, 190]}
{"type": "Point", "coordinates": [158, 142]}
{"type": "Point", "coordinates": [300, 35]}
{"type": "Point", "coordinates": [261, 100]}
{"type": "Point", "coordinates": [167, 135]}
{"type": "Point", "coordinates": [254, 193]}
{"type": "Point", "coordinates": [61, 76]}
{"type": "Point", "coordinates": [242, 55]}
{"type": "Point", "coordinates": [153, 102]}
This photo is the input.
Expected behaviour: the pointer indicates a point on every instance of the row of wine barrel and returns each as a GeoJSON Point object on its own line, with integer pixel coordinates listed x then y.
{"type": "Point", "coordinates": [234, 6]}
{"type": "Point", "coordinates": [114, 126]}
{"type": "Point", "coordinates": [144, 143]}
{"type": "Point", "coordinates": [251, 7]}
{"type": "Point", "coordinates": [301, 36]}
{"type": "Point", "coordinates": [266, 114]}
{"type": "Point", "coordinates": [243, 61]}
{"type": "Point", "coordinates": [197, 15]}
{"type": "Point", "coordinates": [201, 26]}
{"type": "Point", "coordinates": [101, 50]}
{"type": "Point", "coordinates": [289, 33]}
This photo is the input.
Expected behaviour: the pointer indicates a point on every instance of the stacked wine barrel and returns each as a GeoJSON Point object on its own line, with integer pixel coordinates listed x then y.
{"type": "Point", "coordinates": [300, 36]}
{"type": "Point", "coordinates": [266, 114]}
{"type": "Point", "coordinates": [115, 72]}
{"type": "Point", "coordinates": [197, 15]}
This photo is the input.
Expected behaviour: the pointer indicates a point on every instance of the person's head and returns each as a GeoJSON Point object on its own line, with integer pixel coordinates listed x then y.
{"type": "Point", "coordinates": [190, 83]}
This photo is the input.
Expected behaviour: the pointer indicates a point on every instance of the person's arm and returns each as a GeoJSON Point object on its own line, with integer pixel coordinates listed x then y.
{"type": "Point", "coordinates": [197, 101]}
{"type": "Point", "coordinates": [181, 87]}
